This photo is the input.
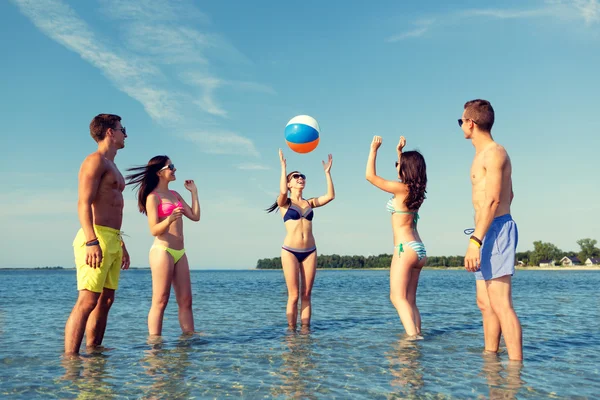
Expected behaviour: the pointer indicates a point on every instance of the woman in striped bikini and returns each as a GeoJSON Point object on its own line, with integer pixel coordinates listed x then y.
{"type": "Point", "coordinates": [299, 251]}
{"type": "Point", "coordinates": [168, 261]}
{"type": "Point", "coordinates": [409, 252]}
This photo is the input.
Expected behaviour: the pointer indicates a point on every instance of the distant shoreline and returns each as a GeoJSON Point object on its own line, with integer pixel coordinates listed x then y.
{"type": "Point", "coordinates": [521, 268]}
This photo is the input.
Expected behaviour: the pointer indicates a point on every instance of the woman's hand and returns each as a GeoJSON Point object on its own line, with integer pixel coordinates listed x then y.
{"type": "Point", "coordinates": [401, 144]}
{"type": "Point", "coordinates": [376, 143]}
{"type": "Point", "coordinates": [281, 159]}
{"type": "Point", "coordinates": [327, 165]}
{"type": "Point", "coordinates": [177, 214]}
{"type": "Point", "coordinates": [190, 185]}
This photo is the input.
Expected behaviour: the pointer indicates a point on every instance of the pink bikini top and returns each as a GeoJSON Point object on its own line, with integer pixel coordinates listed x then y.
{"type": "Point", "coordinates": [166, 208]}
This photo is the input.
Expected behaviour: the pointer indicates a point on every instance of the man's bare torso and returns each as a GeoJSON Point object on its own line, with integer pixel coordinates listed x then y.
{"type": "Point", "coordinates": [478, 179]}
{"type": "Point", "coordinates": [107, 206]}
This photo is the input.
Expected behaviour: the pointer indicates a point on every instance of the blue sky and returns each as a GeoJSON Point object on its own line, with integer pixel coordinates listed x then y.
{"type": "Point", "coordinates": [213, 84]}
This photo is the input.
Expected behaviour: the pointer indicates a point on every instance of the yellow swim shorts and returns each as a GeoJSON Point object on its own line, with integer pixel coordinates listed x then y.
{"type": "Point", "coordinates": [107, 275]}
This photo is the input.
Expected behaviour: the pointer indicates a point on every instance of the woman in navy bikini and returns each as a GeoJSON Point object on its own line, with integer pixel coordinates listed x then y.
{"type": "Point", "coordinates": [168, 261]}
{"type": "Point", "coordinates": [299, 252]}
{"type": "Point", "coordinates": [409, 252]}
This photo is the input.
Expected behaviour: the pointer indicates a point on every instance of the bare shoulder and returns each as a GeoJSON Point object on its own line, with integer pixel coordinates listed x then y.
{"type": "Point", "coordinates": [177, 195]}
{"type": "Point", "coordinates": [152, 199]}
{"type": "Point", "coordinates": [94, 163]}
{"type": "Point", "coordinates": [495, 155]}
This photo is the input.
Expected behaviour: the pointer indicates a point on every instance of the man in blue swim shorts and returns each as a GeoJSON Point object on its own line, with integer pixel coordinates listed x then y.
{"type": "Point", "coordinates": [492, 247]}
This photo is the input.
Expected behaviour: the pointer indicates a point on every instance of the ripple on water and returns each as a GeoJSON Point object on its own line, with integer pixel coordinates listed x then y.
{"type": "Point", "coordinates": [355, 348]}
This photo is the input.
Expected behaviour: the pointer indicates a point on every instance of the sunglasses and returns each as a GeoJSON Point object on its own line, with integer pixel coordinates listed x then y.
{"type": "Point", "coordinates": [461, 122]}
{"type": "Point", "coordinates": [121, 129]}
{"type": "Point", "coordinates": [170, 166]}
{"type": "Point", "coordinates": [396, 164]}
{"type": "Point", "coordinates": [296, 176]}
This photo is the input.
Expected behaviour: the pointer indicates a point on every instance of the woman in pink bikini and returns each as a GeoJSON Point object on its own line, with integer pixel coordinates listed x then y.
{"type": "Point", "coordinates": [168, 261]}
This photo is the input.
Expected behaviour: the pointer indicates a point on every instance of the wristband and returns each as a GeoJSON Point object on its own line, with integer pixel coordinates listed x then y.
{"type": "Point", "coordinates": [476, 240]}
{"type": "Point", "coordinates": [94, 242]}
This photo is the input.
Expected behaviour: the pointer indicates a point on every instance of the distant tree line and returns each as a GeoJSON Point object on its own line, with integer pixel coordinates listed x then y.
{"type": "Point", "coordinates": [541, 251]}
{"type": "Point", "coordinates": [335, 261]}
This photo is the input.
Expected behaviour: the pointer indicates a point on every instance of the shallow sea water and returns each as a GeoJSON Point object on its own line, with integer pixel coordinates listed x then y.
{"type": "Point", "coordinates": [355, 348]}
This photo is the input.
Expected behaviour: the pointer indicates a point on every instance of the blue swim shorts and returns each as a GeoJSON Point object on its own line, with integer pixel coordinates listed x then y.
{"type": "Point", "coordinates": [499, 248]}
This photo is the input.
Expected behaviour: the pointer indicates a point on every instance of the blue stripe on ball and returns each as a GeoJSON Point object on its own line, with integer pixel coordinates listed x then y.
{"type": "Point", "coordinates": [300, 133]}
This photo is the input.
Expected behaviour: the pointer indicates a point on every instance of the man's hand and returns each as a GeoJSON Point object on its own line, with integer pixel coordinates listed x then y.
{"type": "Point", "coordinates": [93, 256]}
{"type": "Point", "coordinates": [472, 259]}
{"type": "Point", "coordinates": [125, 260]}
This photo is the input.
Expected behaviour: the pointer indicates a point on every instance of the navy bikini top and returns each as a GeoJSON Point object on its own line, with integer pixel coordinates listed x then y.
{"type": "Point", "coordinates": [294, 212]}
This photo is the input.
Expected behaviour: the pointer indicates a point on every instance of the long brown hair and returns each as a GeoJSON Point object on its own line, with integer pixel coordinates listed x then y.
{"type": "Point", "coordinates": [413, 172]}
{"type": "Point", "coordinates": [274, 206]}
{"type": "Point", "coordinates": [146, 179]}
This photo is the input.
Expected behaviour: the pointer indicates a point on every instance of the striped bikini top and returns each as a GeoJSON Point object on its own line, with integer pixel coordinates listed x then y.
{"type": "Point", "coordinates": [390, 207]}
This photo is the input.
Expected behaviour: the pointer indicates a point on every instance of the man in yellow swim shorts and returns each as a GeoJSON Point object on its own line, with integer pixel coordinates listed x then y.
{"type": "Point", "coordinates": [100, 253]}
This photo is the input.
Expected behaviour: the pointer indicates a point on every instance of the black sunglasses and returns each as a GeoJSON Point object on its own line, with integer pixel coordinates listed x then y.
{"type": "Point", "coordinates": [396, 164]}
{"type": "Point", "coordinates": [461, 122]}
{"type": "Point", "coordinates": [170, 166]}
{"type": "Point", "coordinates": [121, 129]}
{"type": "Point", "coordinates": [296, 176]}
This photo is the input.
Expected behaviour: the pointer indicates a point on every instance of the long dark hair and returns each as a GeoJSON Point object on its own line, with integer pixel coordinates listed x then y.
{"type": "Point", "coordinates": [145, 179]}
{"type": "Point", "coordinates": [413, 172]}
{"type": "Point", "coordinates": [274, 206]}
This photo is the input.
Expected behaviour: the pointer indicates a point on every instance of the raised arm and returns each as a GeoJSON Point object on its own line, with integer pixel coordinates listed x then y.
{"type": "Point", "coordinates": [90, 175]}
{"type": "Point", "coordinates": [283, 189]}
{"type": "Point", "coordinates": [326, 198]}
{"type": "Point", "coordinates": [371, 173]}
{"type": "Point", "coordinates": [192, 212]}
{"type": "Point", "coordinates": [158, 227]}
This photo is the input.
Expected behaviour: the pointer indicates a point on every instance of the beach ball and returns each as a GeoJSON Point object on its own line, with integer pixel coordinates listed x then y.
{"type": "Point", "coordinates": [302, 134]}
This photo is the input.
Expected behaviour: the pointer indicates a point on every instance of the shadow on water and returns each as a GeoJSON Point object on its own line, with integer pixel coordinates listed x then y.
{"type": "Point", "coordinates": [87, 376]}
{"type": "Point", "coordinates": [503, 379]}
{"type": "Point", "coordinates": [168, 369]}
{"type": "Point", "coordinates": [297, 372]}
{"type": "Point", "coordinates": [405, 367]}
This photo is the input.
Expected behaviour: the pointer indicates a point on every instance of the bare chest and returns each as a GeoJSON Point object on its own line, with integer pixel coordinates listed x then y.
{"type": "Point", "coordinates": [112, 180]}
{"type": "Point", "coordinates": [477, 171]}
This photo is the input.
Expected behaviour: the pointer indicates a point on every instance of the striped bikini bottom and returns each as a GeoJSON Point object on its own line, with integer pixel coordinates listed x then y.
{"type": "Point", "coordinates": [418, 247]}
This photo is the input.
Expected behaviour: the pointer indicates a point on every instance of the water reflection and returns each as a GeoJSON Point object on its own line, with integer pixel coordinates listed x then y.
{"type": "Point", "coordinates": [298, 380]}
{"type": "Point", "coordinates": [168, 368]}
{"type": "Point", "coordinates": [87, 376]}
{"type": "Point", "coordinates": [405, 367]}
{"type": "Point", "coordinates": [503, 379]}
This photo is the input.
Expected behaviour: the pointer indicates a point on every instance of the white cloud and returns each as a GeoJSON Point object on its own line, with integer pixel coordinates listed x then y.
{"type": "Point", "coordinates": [161, 45]}
{"type": "Point", "coordinates": [588, 10]}
{"type": "Point", "coordinates": [222, 142]}
{"type": "Point", "coordinates": [422, 28]}
{"type": "Point", "coordinates": [507, 14]}
{"type": "Point", "coordinates": [129, 73]}
{"type": "Point", "coordinates": [154, 10]}
{"type": "Point", "coordinates": [252, 167]}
